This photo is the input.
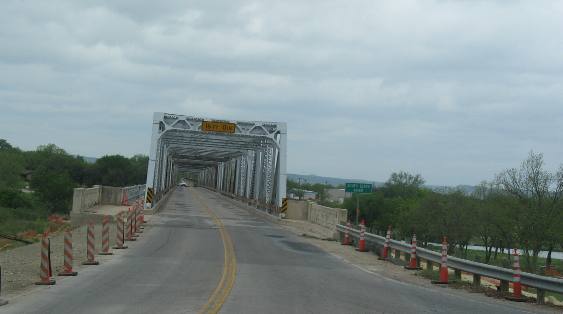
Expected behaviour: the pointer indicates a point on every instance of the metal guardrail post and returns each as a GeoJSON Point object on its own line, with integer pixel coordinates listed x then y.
{"type": "Point", "coordinates": [457, 274]}
{"type": "Point", "coordinates": [429, 265]}
{"type": "Point", "coordinates": [540, 294]}
{"type": "Point", "coordinates": [476, 281]}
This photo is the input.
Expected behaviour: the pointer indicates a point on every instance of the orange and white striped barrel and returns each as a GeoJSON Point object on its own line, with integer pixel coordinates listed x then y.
{"type": "Point", "coordinates": [44, 273]}
{"type": "Point", "coordinates": [139, 221]}
{"type": "Point", "coordinates": [120, 232]}
{"type": "Point", "coordinates": [129, 227]}
{"type": "Point", "coordinates": [143, 213]}
{"type": "Point", "coordinates": [90, 246]}
{"type": "Point", "coordinates": [135, 220]}
{"type": "Point", "coordinates": [68, 257]}
{"type": "Point", "coordinates": [105, 236]}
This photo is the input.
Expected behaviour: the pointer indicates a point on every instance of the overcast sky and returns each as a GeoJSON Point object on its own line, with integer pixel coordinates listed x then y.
{"type": "Point", "coordinates": [454, 90]}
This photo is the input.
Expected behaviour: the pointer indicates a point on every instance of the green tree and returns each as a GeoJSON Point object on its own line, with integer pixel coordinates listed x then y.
{"type": "Point", "coordinates": [55, 188]}
{"type": "Point", "coordinates": [111, 170]}
{"type": "Point", "coordinates": [139, 165]}
{"type": "Point", "coordinates": [11, 167]}
{"type": "Point", "coordinates": [403, 184]}
{"type": "Point", "coordinates": [539, 193]}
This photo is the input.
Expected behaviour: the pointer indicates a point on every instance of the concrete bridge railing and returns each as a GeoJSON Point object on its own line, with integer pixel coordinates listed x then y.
{"type": "Point", "coordinates": [86, 198]}
{"type": "Point", "coordinates": [324, 216]}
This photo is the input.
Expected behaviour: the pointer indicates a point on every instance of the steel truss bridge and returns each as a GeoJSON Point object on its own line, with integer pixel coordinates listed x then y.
{"type": "Point", "coordinates": [245, 159]}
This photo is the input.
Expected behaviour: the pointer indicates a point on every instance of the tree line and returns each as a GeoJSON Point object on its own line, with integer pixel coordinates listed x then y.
{"type": "Point", "coordinates": [520, 208]}
{"type": "Point", "coordinates": [45, 177]}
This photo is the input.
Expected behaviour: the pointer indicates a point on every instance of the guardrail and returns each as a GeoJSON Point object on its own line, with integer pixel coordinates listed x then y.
{"type": "Point", "coordinates": [542, 283]}
{"type": "Point", "coordinates": [134, 192]}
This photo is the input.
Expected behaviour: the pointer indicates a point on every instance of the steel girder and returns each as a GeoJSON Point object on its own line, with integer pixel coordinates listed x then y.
{"type": "Point", "coordinates": [249, 163]}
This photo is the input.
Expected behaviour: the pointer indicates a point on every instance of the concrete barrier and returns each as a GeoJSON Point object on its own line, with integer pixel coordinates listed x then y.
{"type": "Point", "coordinates": [86, 198]}
{"type": "Point", "coordinates": [327, 217]}
{"type": "Point", "coordinates": [297, 210]}
{"type": "Point", "coordinates": [111, 195]}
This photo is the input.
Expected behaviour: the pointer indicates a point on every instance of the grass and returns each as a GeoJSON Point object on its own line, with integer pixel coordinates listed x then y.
{"type": "Point", "coordinates": [557, 296]}
{"type": "Point", "coordinates": [14, 221]}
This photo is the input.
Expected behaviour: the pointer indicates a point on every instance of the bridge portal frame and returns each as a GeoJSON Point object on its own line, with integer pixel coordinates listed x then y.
{"type": "Point", "coordinates": [249, 163]}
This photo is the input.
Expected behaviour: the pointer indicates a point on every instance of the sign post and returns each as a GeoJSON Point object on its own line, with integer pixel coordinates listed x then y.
{"type": "Point", "coordinates": [358, 188]}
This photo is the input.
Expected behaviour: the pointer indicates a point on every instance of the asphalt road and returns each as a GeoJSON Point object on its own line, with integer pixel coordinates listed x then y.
{"type": "Point", "coordinates": [201, 253]}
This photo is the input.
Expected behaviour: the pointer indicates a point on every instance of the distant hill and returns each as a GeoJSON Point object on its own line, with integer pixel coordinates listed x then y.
{"type": "Point", "coordinates": [311, 178]}
{"type": "Point", "coordinates": [466, 189]}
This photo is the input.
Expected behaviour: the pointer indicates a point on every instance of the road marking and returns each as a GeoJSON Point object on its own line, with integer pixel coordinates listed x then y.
{"type": "Point", "coordinates": [223, 289]}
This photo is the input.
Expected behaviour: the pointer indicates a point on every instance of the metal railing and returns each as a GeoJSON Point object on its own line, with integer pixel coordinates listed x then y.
{"type": "Point", "coordinates": [485, 270]}
{"type": "Point", "coordinates": [134, 192]}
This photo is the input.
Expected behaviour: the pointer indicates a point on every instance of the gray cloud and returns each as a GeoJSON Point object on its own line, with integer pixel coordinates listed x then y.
{"type": "Point", "coordinates": [454, 90]}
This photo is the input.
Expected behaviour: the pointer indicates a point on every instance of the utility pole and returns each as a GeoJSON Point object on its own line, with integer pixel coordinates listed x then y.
{"type": "Point", "coordinates": [357, 208]}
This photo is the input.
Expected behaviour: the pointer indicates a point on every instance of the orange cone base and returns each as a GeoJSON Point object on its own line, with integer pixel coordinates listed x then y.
{"type": "Point", "coordinates": [68, 273]}
{"type": "Point", "coordinates": [413, 268]}
{"type": "Point", "coordinates": [90, 263]}
{"type": "Point", "coordinates": [381, 258]}
{"type": "Point", "coordinates": [438, 282]}
{"type": "Point", "coordinates": [515, 299]}
{"type": "Point", "coordinates": [105, 253]}
{"type": "Point", "coordinates": [46, 283]}
{"type": "Point", "coordinates": [120, 247]}
{"type": "Point", "coordinates": [346, 242]}
{"type": "Point", "coordinates": [361, 249]}
{"type": "Point", "coordinates": [3, 302]}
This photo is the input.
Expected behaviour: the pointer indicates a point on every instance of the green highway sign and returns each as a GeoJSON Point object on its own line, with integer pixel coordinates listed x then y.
{"type": "Point", "coordinates": [359, 187]}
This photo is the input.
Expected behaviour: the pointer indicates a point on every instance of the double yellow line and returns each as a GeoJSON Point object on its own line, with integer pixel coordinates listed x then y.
{"type": "Point", "coordinates": [223, 289]}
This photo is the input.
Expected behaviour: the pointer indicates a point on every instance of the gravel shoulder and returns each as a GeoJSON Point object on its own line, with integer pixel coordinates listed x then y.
{"type": "Point", "coordinates": [20, 266]}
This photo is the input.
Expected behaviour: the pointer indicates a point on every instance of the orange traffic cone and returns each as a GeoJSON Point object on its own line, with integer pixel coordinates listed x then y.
{"type": "Point", "coordinates": [385, 253]}
{"type": "Point", "coordinates": [444, 264]}
{"type": "Point", "coordinates": [346, 239]}
{"type": "Point", "coordinates": [362, 242]}
{"type": "Point", "coordinates": [412, 262]}
{"type": "Point", "coordinates": [516, 284]}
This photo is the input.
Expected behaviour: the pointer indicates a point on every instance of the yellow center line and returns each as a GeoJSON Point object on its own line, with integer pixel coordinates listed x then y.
{"type": "Point", "coordinates": [223, 289]}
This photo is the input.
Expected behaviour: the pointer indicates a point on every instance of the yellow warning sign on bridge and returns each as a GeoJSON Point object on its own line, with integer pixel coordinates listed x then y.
{"type": "Point", "coordinates": [214, 126]}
